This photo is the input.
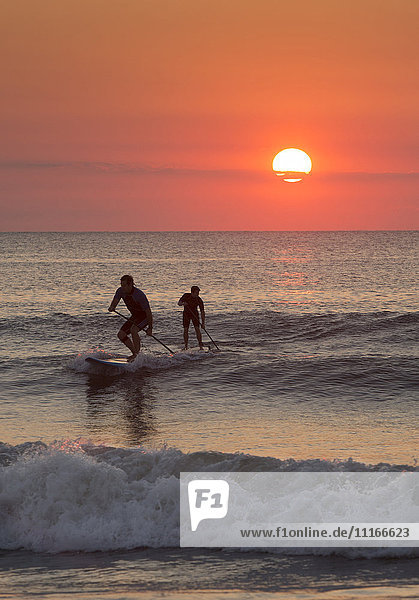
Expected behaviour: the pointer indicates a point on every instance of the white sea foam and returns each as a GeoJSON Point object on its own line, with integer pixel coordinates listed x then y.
{"type": "Point", "coordinates": [74, 497]}
{"type": "Point", "coordinates": [144, 360]}
{"type": "Point", "coordinates": [60, 501]}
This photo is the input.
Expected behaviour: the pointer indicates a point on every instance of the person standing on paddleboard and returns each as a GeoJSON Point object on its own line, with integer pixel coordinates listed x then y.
{"type": "Point", "coordinates": [139, 307]}
{"type": "Point", "coordinates": [191, 302]}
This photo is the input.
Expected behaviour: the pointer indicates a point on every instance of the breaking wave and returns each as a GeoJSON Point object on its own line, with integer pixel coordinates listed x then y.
{"type": "Point", "coordinates": [77, 496]}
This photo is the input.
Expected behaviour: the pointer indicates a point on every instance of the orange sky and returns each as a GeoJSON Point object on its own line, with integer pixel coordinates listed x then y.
{"type": "Point", "coordinates": [152, 115]}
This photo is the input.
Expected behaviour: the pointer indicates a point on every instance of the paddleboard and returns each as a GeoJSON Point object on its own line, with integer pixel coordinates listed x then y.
{"type": "Point", "coordinates": [110, 362]}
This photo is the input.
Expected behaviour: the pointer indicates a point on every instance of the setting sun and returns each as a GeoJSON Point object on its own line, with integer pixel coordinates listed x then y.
{"type": "Point", "coordinates": [292, 164]}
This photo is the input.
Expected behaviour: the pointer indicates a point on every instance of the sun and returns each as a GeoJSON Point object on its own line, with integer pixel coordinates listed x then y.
{"type": "Point", "coordinates": [292, 164]}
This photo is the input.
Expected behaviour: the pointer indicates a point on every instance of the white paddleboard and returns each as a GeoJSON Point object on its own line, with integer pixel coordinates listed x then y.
{"type": "Point", "coordinates": [110, 362]}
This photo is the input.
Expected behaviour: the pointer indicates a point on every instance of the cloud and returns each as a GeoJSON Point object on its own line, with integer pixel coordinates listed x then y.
{"type": "Point", "coordinates": [173, 171]}
{"type": "Point", "coordinates": [108, 167]}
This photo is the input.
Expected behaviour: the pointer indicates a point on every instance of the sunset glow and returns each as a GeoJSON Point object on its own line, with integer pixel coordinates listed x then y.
{"type": "Point", "coordinates": [166, 116]}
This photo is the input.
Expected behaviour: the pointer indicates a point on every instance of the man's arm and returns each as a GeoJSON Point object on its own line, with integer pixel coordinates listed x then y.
{"type": "Point", "coordinates": [114, 302]}
{"type": "Point", "coordinates": [149, 315]}
{"type": "Point", "coordinates": [201, 308]}
{"type": "Point", "coordinates": [182, 301]}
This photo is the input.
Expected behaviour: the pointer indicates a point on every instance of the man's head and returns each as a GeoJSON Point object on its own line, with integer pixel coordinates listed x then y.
{"type": "Point", "coordinates": [195, 290]}
{"type": "Point", "coordinates": [127, 283]}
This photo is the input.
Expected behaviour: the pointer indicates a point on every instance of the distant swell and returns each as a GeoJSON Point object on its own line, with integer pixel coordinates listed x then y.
{"type": "Point", "coordinates": [291, 325]}
{"type": "Point", "coordinates": [71, 496]}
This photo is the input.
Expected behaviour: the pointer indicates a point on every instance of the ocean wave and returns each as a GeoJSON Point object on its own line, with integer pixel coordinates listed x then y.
{"type": "Point", "coordinates": [144, 361]}
{"type": "Point", "coordinates": [320, 326]}
{"type": "Point", "coordinates": [77, 496]}
{"type": "Point", "coordinates": [364, 374]}
{"type": "Point", "coordinates": [316, 324]}
{"type": "Point", "coordinates": [26, 323]}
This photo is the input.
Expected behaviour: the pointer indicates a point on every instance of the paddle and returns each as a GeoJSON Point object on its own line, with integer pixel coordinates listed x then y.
{"type": "Point", "coordinates": [200, 324]}
{"type": "Point", "coordinates": [153, 336]}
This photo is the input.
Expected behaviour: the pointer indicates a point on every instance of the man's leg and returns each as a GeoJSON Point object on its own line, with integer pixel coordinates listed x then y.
{"type": "Point", "coordinates": [199, 336]}
{"type": "Point", "coordinates": [135, 339]}
{"type": "Point", "coordinates": [122, 335]}
{"type": "Point", "coordinates": [186, 336]}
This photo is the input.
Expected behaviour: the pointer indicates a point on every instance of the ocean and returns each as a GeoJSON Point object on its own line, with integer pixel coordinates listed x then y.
{"type": "Point", "coordinates": [317, 371]}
